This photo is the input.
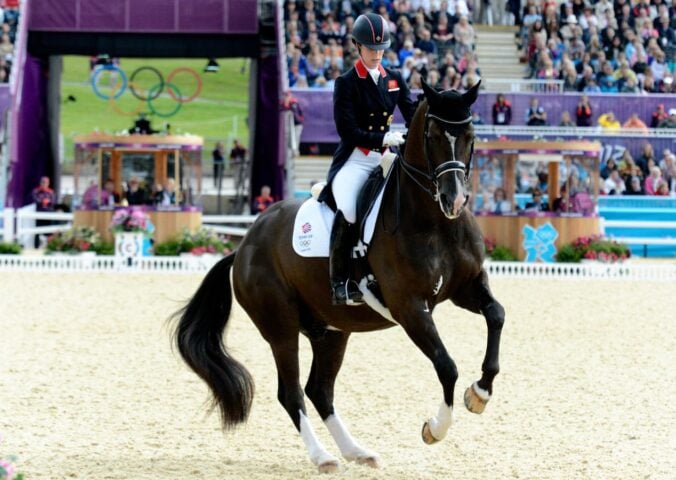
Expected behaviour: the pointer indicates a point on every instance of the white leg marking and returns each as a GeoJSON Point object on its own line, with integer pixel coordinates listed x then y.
{"type": "Point", "coordinates": [440, 424]}
{"type": "Point", "coordinates": [318, 453]}
{"type": "Point", "coordinates": [373, 302]}
{"type": "Point", "coordinates": [481, 393]}
{"type": "Point", "coordinates": [348, 446]}
{"type": "Point", "coordinates": [437, 287]}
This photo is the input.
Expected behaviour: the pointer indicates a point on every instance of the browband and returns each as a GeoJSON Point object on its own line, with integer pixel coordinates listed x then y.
{"type": "Point", "coordinates": [462, 122]}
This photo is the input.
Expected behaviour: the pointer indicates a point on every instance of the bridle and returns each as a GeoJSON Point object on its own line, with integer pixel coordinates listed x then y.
{"type": "Point", "coordinates": [434, 174]}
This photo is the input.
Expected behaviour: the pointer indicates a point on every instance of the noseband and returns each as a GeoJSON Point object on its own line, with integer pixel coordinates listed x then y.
{"type": "Point", "coordinates": [434, 174]}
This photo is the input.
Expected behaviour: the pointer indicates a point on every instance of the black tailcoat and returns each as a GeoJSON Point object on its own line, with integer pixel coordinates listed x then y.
{"type": "Point", "coordinates": [363, 112]}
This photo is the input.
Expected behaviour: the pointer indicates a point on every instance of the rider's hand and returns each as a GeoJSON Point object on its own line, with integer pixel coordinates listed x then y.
{"type": "Point", "coordinates": [393, 139]}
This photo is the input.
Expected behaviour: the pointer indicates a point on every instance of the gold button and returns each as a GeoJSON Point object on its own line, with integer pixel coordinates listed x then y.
{"type": "Point", "coordinates": [382, 128]}
{"type": "Point", "coordinates": [384, 114]}
{"type": "Point", "coordinates": [371, 114]}
{"type": "Point", "coordinates": [370, 127]}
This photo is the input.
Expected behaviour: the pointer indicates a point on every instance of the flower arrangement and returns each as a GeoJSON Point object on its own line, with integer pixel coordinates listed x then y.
{"type": "Point", "coordinates": [8, 470]}
{"type": "Point", "coordinates": [131, 219]}
{"type": "Point", "coordinates": [77, 240]}
{"type": "Point", "coordinates": [497, 252]}
{"type": "Point", "coordinates": [198, 243]}
{"type": "Point", "coordinates": [593, 247]}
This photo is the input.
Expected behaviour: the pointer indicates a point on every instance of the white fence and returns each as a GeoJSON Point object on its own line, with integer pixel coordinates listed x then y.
{"type": "Point", "coordinates": [20, 225]}
{"type": "Point", "coordinates": [202, 264]}
{"type": "Point", "coordinates": [516, 85]}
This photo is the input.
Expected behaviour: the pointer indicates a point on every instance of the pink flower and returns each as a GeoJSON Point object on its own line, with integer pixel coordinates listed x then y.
{"type": "Point", "coordinates": [9, 469]}
{"type": "Point", "coordinates": [590, 255]}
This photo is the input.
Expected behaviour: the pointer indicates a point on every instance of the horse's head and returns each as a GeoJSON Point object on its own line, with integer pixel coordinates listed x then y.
{"type": "Point", "coordinates": [448, 144]}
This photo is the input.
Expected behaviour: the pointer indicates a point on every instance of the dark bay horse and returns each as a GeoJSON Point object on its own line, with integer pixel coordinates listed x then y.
{"type": "Point", "coordinates": [426, 249]}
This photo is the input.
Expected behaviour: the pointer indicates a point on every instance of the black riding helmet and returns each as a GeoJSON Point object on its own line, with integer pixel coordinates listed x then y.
{"type": "Point", "coordinates": [372, 31]}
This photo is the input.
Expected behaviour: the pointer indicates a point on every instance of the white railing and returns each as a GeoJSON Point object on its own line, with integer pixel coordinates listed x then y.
{"type": "Point", "coordinates": [549, 131]}
{"type": "Point", "coordinates": [219, 223]}
{"type": "Point", "coordinates": [516, 85]}
{"type": "Point", "coordinates": [202, 264]}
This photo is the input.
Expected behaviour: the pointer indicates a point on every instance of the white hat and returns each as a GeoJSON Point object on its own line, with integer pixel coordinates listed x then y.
{"type": "Point", "coordinates": [571, 19]}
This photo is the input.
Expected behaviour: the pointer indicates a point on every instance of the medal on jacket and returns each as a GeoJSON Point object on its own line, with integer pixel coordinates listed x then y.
{"type": "Point", "coordinates": [392, 86]}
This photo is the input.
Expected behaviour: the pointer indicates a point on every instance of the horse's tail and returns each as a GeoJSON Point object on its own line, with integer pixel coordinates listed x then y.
{"type": "Point", "coordinates": [199, 338]}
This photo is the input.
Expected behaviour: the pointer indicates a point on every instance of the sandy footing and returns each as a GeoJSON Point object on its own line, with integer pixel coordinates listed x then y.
{"type": "Point", "coordinates": [90, 389]}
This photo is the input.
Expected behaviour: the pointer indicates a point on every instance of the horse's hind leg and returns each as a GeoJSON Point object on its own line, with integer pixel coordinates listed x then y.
{"type": "Point", "coordinates": [328, 352]}
{"type": "Point", "coordinates": [290, 395]}
{"type": "Point", "coordinates": [477, 297]}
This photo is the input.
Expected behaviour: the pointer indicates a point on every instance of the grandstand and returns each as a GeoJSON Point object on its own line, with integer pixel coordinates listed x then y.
{"type": "Point", "coordinates": [556, 51]}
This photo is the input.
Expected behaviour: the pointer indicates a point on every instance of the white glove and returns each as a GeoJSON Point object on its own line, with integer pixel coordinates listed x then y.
{"type": "Point", "coordinates": [393, 139]}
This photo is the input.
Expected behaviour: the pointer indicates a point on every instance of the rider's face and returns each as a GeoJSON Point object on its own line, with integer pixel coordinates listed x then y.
{"type": "Point", "coordinates": [371, 58]}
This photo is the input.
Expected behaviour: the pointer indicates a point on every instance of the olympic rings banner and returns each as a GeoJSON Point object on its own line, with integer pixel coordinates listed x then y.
{"type": "Point", "coordinates": [147, 85]}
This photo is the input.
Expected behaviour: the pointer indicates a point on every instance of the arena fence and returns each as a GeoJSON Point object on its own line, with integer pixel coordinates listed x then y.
{"type": "Point", "coordinates": [201, 264]}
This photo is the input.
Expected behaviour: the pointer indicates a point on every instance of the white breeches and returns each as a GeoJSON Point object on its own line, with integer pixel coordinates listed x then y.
{"type": "Point", "coordinates": [349, 180]}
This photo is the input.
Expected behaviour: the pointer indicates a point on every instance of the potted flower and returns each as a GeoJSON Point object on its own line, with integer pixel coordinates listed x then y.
{"type": "Point", "coordinates": [8, 469]}
{"type": "Point", "coordinates": [132, 229]}
{"type": "Point", "coordinates": [200, 243]}
{"type": "Point", "coordinates": [497, 253]}
{"type": "Point", "coordinates": [7, 248]}
{"type": "Point", "coordinates": [77, 240]}
{"type": "Point", "coordinates": [593, 248]}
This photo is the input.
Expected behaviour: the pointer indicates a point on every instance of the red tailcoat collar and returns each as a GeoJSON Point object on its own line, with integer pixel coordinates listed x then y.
{"type": "Point", "coordinates": [362, 71]}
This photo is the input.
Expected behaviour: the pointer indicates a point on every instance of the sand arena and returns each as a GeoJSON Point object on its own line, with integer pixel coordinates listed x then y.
{"type": "Point", "coordinates": [90, 389]}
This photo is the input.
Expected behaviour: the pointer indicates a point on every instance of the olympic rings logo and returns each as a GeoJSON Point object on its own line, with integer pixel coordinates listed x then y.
{"type": "Point", "coordinates": [145, 95]}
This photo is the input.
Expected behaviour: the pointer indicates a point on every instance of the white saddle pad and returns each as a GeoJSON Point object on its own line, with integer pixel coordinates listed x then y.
{"type": "Point", "coordinates": [312, 229]}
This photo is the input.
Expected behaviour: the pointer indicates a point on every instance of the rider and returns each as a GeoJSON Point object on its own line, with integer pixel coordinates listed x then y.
{"type": "Point", "coordinates": [363, 103]}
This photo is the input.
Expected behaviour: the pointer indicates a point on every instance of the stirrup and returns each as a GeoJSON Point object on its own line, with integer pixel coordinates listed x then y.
{"type": "Point", "coordinates": [346, 293]}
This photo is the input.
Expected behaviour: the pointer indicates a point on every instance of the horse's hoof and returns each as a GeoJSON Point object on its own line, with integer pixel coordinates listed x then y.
{"type": "Point", "coordinates": [370, 461]}
{"type": "Point", "coordinates": [329, 466]}
{"type": "Point", "coordinates": [427, 436]}
{"type": "Point", "coordinates": [475, 401]}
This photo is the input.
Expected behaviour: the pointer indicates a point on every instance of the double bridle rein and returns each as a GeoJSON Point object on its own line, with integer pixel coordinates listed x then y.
{"type": "Point", "coordinates": [434, 174]}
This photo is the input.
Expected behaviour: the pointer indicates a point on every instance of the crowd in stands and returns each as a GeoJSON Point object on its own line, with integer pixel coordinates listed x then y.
{"type": "Point", "coordinates": [613, 46]}
{"type": "Point", "coordinates": [9, 20]}
{"type": "Point", "coordinates": [431, 40]}
{"type": "Point", "coordinates": [536, 115]}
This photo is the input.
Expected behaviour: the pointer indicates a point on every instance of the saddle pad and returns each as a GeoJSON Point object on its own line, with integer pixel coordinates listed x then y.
{"type": "Point", "coordinates": [312, 228]}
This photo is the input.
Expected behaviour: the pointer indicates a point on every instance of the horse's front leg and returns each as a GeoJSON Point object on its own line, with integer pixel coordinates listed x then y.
{"type": "Point", "coordinates": [420, 327]}
{"type": "Point", "coordinates": [478, 298]}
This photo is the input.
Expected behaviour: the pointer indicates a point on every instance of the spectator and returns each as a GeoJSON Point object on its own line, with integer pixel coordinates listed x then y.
{"type": "Point", "coordinates": [262, 201]}
{"type": "Point", "coordinates": [502, 111]}
{"type": "Point", "coordinates": [537, 204]}
{"type": "Point", "coordinates": [536, 115]}
{"type": "Point", "coordinates": [500, 203]}
{"type": "Point", "coordinates": [608, 168]}
{"type": "Point", "coordinates": [634, 122]}
{"type": "Point", "coordinates": [565, 120]}
{"type": "Point", "coordinates": [290, 103]}
{"type": "Point", "coordinates": [166, 195]}
{"type": "Point", "coordinates": [658, 115]}
{"type": "Point", "coordinates": [670, 121]}
{"type": "Point", "coordinates": [109, 197]}
{"type": "Point", "coordinates": [647, 156]}
{"type": "Point", "coordinates": [135, 194]}
{"type": "Point", "coordinates": [237, 154]}
{"type": "Point", "coordinates": [614, 185]}
{"type": "Point", "coordinates": [652, 182]}
{"type": "Point", "coordinates": [218, 159]}
{"type": "Point", "coordinates": [44, 199]}
{"type": "Point", "coordinates": [634, 187]}
{"type": "Point", "coordinates": [476, 118]}
{"type": "Point", "coordinates": [583, 113]}
{"type": "Point", "coordinates": [662, 189]}
{"type": "Point", "coordinates": [607, 121]}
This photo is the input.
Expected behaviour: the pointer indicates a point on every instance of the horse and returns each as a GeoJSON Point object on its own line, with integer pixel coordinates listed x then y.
{"type": "Point", "coordinates": [427, 248]}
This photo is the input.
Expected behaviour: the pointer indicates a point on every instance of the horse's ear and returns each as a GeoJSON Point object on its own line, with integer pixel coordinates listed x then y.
{"type": "Point", "coordinates": [470, 96]}
{"type": "Point", "coordinates": [430, 93]}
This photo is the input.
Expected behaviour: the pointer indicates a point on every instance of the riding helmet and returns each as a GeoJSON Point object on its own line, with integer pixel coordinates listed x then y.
{"type": "Point", "coordinates": [372, 31]}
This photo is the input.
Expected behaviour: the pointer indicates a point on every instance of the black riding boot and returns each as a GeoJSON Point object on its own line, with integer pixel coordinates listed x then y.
{"type": "Point", "coordinates": [345, 291]}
